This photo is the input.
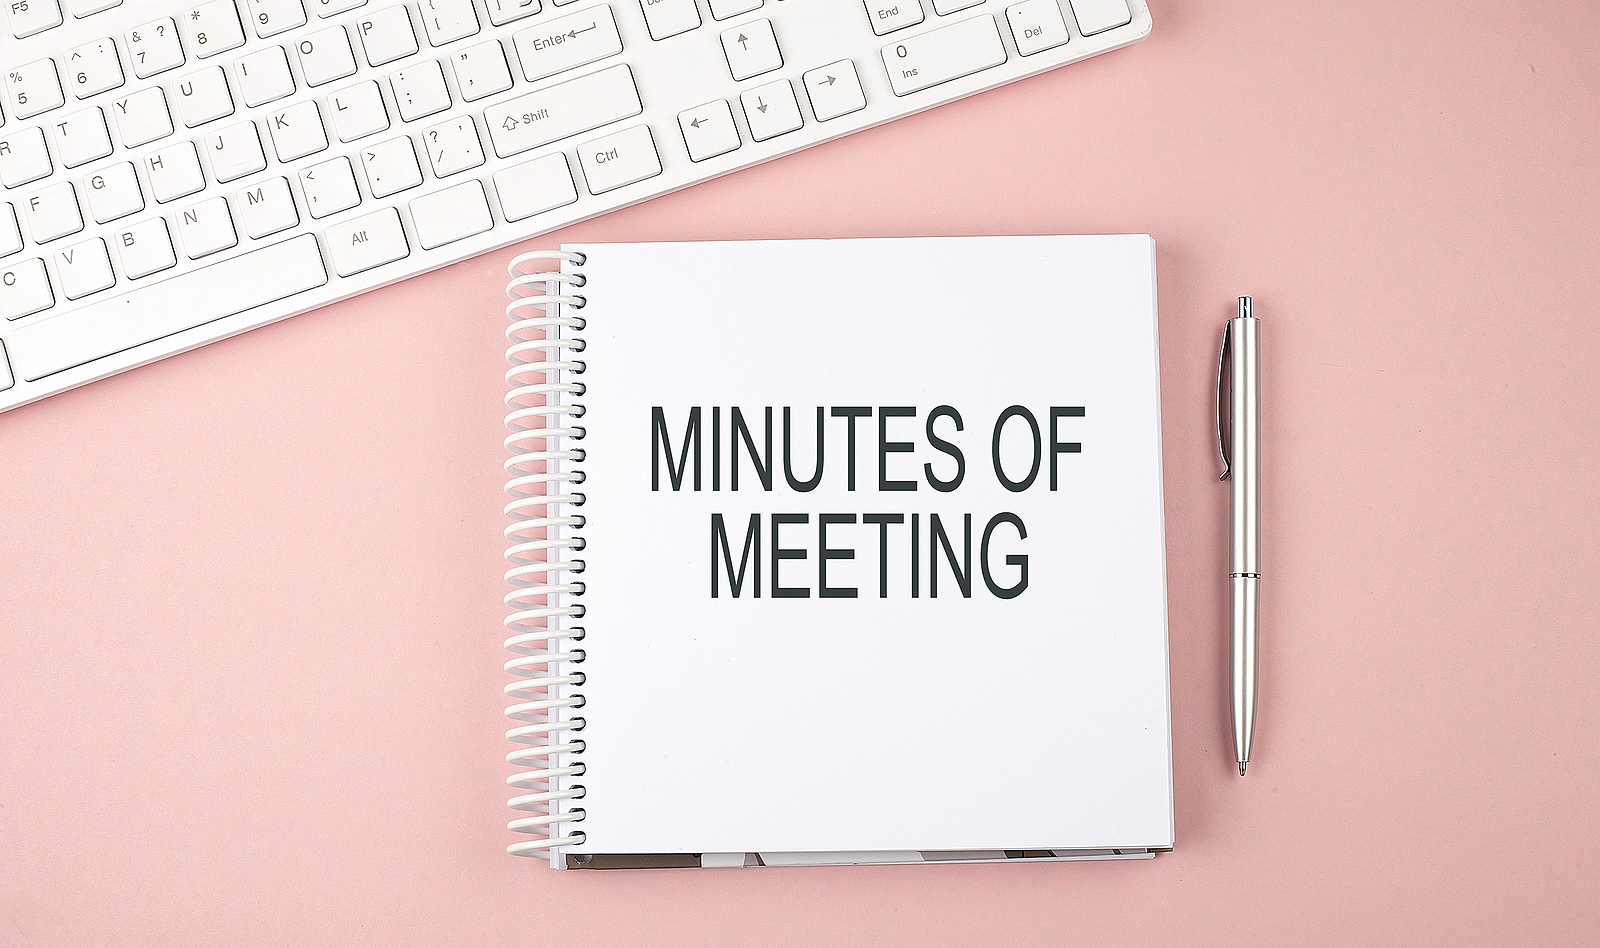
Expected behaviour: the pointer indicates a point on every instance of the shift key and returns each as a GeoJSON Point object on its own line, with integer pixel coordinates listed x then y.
{"type": "Point", "coordinates": [570, 108]}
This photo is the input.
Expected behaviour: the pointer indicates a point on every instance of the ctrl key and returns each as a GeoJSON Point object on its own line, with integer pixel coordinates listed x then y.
{"type": "Point", "coordinates": [25, 289]}
{"type": "Point", "coordinates": [367, 242]}
{"type": "Point", "coordinates": [622, 158]}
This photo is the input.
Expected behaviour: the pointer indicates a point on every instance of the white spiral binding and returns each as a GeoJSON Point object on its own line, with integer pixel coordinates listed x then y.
{"type": "Point", "coordinates": [542, 537]}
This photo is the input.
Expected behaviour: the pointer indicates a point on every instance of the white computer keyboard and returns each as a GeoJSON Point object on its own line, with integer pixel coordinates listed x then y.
{"type": "Point", "coordinates": [174, 174]}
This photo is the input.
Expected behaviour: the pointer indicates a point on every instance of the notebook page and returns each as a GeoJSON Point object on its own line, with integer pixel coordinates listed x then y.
{"type": "Point", "coordinates": [1004, 688]}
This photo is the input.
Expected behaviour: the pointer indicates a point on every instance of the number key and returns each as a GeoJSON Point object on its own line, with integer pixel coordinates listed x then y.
{"type": "Point", "coordinates": [154, 48]}
{"type": "Point", "coordinates": [272, 17]}
{"type": "Point", "coordinates": [94, 67]}
{"type": "Point", "coordinates": [213, 28]}
{"type": "Point", "coordinates": [34, 88]}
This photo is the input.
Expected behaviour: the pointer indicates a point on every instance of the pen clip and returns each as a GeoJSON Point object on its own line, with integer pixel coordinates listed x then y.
{"type": "Point", "coordinates": [1223, 440]}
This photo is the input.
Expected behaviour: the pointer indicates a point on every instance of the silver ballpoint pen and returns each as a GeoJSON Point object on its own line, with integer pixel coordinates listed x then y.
{"type": "Point", "coordinates": [1239, 442]}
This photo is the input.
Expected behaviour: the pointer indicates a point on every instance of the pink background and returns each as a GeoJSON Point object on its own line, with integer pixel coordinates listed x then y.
{"type": "Point", "coordinates": [250, 597]}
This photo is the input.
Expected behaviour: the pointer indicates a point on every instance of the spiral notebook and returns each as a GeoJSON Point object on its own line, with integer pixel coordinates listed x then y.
{"type": "Point", "coordinates": [837, 551]}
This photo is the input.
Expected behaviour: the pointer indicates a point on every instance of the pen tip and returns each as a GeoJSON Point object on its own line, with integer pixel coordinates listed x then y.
{"type": "Point", "coordinates": [1241, 767]}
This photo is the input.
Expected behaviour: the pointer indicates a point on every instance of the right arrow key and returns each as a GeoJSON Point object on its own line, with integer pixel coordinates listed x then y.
{"type": "Point", "coordinates": [834, 90]}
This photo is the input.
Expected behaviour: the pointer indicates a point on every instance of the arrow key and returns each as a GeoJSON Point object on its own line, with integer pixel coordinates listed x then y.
{"type": "Point", "coordinates": [771, 110]}
{"type": "Point", "coordinates": [708, 130]}
{"type": "Point", "coordinates": [834, 90]}
{"type": "Point", "coordinates": [751, 49]}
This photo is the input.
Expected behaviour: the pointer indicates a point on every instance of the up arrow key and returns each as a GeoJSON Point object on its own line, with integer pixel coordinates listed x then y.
{"type": "Point", "coordinates": [751, 49]}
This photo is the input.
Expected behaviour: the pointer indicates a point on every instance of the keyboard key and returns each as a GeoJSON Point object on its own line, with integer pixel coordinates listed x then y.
{"type": "Point", "coordinates": [154, 48]}
{"type": "Point", "coordinates": [6, 378]}
{"type": "Point", "coordinates": [329, 187]}
{"type": "Point", "coordinates": [34, 88]}
{"type": "Point", "coordinates": [666, 18]}
{"type": "Point", "coordinates": [10, 233]}
{"type": "Point", "coordinates": [534, 187]}
{"type": "Point", "coordinates": [887, 16]}
{"type": "Point", "coordinates": [708, 130]}
{"type": "Point", "coordinates": [751, 49]}
{"type": "Point", "coordinates": [726, 9]}
{"type": "Point", "coordinates": [183, 302]}
{"type": "Point", "coordinates": [93, 68]}
{"type": "Point", "coordinates": [32, 16]}
{"type": "Point", "coordinates": [453, 146]}
{"type": "Point", "coordinates": [83, 8]}
{"type": "Point", "coordinates": [271, 17]}
{"type": "Point", "coordinates": [947, 7]}
{"type": "Point", "coordinates": [81, 137]}
{"type": "Point", "coordinates": [481, 70]}
{"type": "Point", "coordinates": [206, 228]}
{"type": "Point", "coordinates": [264, 76]}
{"type": "Point", "coordinates": [446, 21]}
{"type": "Point", "coordinates": [569, 108]}
{"type": "Point", "coordinates": [771, 110]}
{"type": "Point", "coordinates": [358, 111]}
{"type": "Point", "coordinates": [297, 131]}
{"type": "Point", "coordinates": [502, 12]}
{"type": "Point", "coordinates": [145, 248]}
{"type": "Point", "coordinates": [1097, 16]}
{"type": "Point", "coordinates": [419, 91]}
{"type": "Point", "coordinates": [25, 289]}
{"type": "Point", "coordinates": [142, 117]}
{"type": "Point", "coordinates": [212, 28]}
{"type": "Point", "coordinates": [619, 159]}
{"type": "Point", "coordinates": [835, 89]}
{"type": "Point", "coordinates": [567, 42]}
{"type": "Point", "coordinates": [327, 8]}
{"type": "Point", "coordinates": [950, 52]}
{"type": "Point", "coordinates": [267, 208]}
{"type": "Point", "coordinates": [203, 97]}
{"type": "Point", "coordinates": [386, 35]}
{"type": "Point", "coordinates": [53, 213]}
{"type": "Point", "coordinates": [1036, 26]}
{"type": "Point", "coordinates": [24, 157]}
{"type": "Point", "coordinates": [325, 56]}
{"type": "Point", "coordinates": [391, 166]}
{"type": "Point", "coordinates": [174, 172]}
{"type": "Point", "coordinates": [84, 268]}
{"type": "Point", "coordinates": [451, 215]}
{"type": "Point", "coordinates": [235, 151]}
{"type": "Point", "coordinates": [114, 193]}
{"type": "Point", "coordinates": [367, 242]}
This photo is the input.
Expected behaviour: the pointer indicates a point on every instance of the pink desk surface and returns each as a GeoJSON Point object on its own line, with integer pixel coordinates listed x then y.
{"type": "Point", "coordinates": [250, 597]}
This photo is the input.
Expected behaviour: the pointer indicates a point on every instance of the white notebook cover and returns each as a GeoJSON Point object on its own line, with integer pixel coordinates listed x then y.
{"type": "Point", "coordinates": [812, 725]}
